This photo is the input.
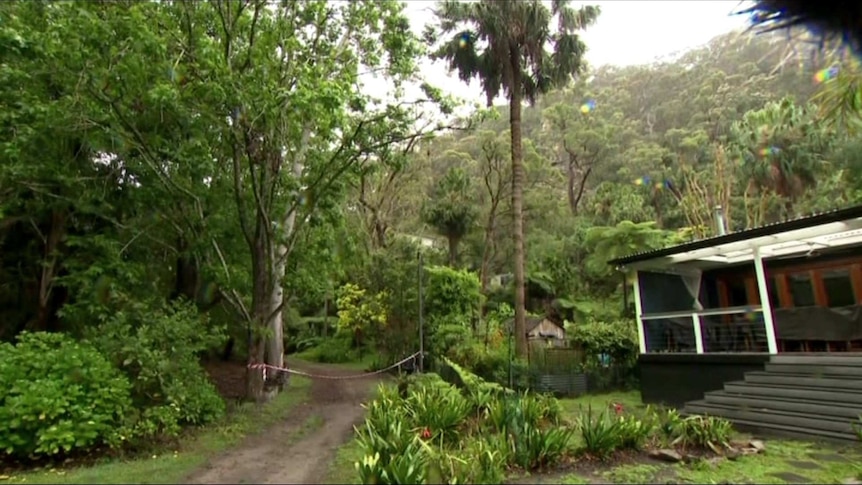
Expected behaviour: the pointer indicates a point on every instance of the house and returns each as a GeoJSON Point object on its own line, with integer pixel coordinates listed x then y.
{"type": "Point", "coordinates": [762, 326]}
{"type": "Point", "coordinates": [544, 329]}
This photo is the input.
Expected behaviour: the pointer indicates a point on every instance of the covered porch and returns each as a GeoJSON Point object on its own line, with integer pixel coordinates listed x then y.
{"type": "Point", "coordinates": [711, 310]}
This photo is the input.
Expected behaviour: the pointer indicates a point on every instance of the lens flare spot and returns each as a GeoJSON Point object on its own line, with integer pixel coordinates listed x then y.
{"type": "Point", "coordinates": [750, 315]}
{"type": "Point", "coordinates": [208, 293]}
{"type": "Point", "coordinates": [769, 151]}
{"type": "Point", "coordinates": [825, 75]}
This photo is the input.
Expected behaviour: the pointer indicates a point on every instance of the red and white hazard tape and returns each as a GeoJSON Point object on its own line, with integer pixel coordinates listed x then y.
{"type": "Point", "coordinates": [266, 367]}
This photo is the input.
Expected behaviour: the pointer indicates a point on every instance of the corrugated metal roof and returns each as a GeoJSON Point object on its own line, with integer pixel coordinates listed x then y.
{"type": "Point", "coordinates": [835, 215]}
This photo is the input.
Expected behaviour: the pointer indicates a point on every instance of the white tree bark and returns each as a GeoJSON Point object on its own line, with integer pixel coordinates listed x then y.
{"type": "Point", "coordinates": [275, 345]}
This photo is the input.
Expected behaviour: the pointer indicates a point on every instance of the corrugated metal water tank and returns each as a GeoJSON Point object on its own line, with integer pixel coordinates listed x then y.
{"type": "Point", "coordinates": [561, 384]}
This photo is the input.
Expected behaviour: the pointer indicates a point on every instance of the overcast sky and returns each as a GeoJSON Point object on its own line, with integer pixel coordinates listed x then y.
{"type": "Point", "coordinates": [627, 32]}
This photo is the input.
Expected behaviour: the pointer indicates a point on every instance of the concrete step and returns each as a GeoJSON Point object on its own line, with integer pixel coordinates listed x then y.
{"type": "Point", "coordinates": [772, 417]}
{"type": "Point", "coordinates": [844, 359]}
{"type": "Point", "coordinates": [768, 429]}
{"type": "Point", "coordinates": [803, 406]}
{"type": "Point", "coordinates": [815, 370]}
{"type": "Point", "coordinates": [793, 392]}
{"type": "Point", "coordinates": [804, 380]}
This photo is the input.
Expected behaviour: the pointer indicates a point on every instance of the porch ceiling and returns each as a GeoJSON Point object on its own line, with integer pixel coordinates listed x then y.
{"type": "Point", "coordinates": [793, 242]}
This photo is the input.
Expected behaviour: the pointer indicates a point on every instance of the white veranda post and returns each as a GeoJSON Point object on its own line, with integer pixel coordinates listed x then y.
{"type": "Point", "coordinates": [765, 305]}
{"type": "Point", "coordinates": [692, 279]}
{"type": "Point", "coordinates": [639, 313]}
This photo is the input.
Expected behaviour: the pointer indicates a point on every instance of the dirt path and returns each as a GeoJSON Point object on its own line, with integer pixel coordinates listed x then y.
{"type": "Point", "coordinates": [272, 457]}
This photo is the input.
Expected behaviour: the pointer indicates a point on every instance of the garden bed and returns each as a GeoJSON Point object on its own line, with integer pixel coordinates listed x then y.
{"type": "Point", "coordinates": [480, 433]}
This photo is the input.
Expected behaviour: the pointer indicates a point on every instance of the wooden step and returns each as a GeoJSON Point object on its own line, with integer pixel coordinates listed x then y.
{"type": "Point", "coordinates": [803, 406]}
{"type": "Point", "coordinates": [767, 429]}
{"type": "Point", "coordinates": [804, 380]}
{"type": "Point", "coordinates": [773, 417]}
{"type": "Point", "coordinates": [815, 370]}
{"type": "Point", "coordinates": [852, 359]}
{"type": "Point", "coordinates": [793, 392]}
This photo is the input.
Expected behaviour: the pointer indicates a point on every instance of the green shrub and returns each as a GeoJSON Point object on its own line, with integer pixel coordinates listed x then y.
{"type": "Point", "coordinates": [599, 433]}
{"type": "Point", "coordinates": [486, 459]}
{"type": "Point", "coordinates": [451, 292]}
{"type": "Point", "coordinates": [428, 379]}
{"type": "Point", "coordinates": [58, 396]}
{"type": "Point", "coordinates": [447, 334]}
{"type": "Point", "coordinates": [472, 382]}
{"type": "Point", "coordinates": [393, 455]}
{"type": "Point", "coordinates": [537, 448]}
{"type": "Point", "coordinates": [386, 410]}
{"type": "Point", "coordinates": [669, 422]}
{"type": "Point", "coordinates": [335, 350]}
{"type": "Point", "coordinates": [158, 348]}
{"type": "Point", "coordinates": [617, 339]}
{"type": "Point", "coordinates": [438, 410]}
{"type": "Point", "coordinates": [704, 432]}
{"type": "Point", "coordinates": [634, 432]}
{"type": "Point", "coordinates": [524, 420]}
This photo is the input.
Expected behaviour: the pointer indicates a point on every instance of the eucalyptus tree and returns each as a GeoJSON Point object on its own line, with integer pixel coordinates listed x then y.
{"type": "Point", "coordinates": [503, 43]}
{"type": "Point", "coordinates": [251, 103]}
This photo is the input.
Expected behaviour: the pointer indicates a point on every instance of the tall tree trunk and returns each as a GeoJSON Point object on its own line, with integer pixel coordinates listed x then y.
{"type": "Point", "coordinates": [570, 188]}
{"type": "Point", "coordinates": [275, 346]}
{"type": "Point", "coordinates": [484, 270]}
{"type": "Point", "coordinates": [260, 302]}
{"type": "Point", "coordinates": [518, 203]}
{"type": "Point", "coordinates": [186, 278]}
{"type": "Point", "coordinates": [453, 251]}
{"type": "Point", "coordinates": [51, 241]}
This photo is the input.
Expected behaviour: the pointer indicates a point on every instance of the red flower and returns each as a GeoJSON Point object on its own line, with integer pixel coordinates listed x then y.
{"type": "Point", "coordinates": [426, 433]}
{"type": "Point", "coordinates": [618, 408]}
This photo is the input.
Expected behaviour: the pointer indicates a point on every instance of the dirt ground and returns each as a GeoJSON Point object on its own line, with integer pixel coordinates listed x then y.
{"type": "Point", "coordinates": [271, 457]}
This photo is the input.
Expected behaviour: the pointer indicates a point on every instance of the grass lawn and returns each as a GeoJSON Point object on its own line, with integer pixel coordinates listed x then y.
{"type": "Point", "coordinates": [630, 400]}
{"type": "Point", "coordinates": [784, 461]}
{"type": "Point", "coordinates": [173, 466]}
{"type": "Point", "coordinates": [360, 366]}
{"type": "Point", "coordinates": [342, 469]}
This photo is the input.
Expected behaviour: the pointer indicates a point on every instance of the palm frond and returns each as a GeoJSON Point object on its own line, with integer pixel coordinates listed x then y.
{"type": "Point", "coordinates": [828, 21]}
{"type": "Point", "coordinates": [497, 29]}
{"type": "Point", "coordinates": [840, 100]}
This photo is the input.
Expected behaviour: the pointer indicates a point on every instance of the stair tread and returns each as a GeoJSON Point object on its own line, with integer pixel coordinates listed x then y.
{"type": "Point", "coordinates": [779, 412]}
{"type": "Point", "coordinates": [824, 359]}
{"type": "Point", "coordinates": [792, 386]}
{"type": "Point", "coordinates": [796, 430]}
{"type": "Point", "coordinates": [844, 377]}
{"type": "Point", "coordinates": [783, 399]}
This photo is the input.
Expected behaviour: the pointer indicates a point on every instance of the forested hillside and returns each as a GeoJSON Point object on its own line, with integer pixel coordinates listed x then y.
{"type": "Point", "coordinates": [191, 181]}
{"type": "Point", "coordinates": [629, 157]}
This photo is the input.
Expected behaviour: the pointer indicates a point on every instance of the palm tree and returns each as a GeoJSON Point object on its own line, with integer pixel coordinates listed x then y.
{"type": "Point", "coordinates": [840, 98]}
{"type": "Point", "coordinates": [781, 149]}
{"type": "Point", "coordinates": [450, 210]}
{"type": "Point", "coordinates": [503, 44]}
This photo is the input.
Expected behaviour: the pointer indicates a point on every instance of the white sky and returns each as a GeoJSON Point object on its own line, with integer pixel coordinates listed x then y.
{"type": "Point", "coordinates": [626, 33]}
